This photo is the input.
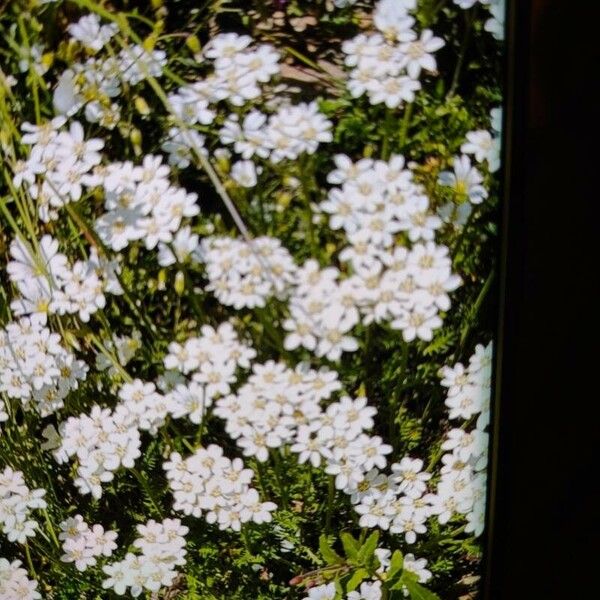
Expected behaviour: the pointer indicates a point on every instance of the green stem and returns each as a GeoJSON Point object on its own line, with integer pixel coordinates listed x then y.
{"type": "Point", "coordinates": [279, 476]}
{"type": "Point", "coordinates": [388, 133]}
{"type": "Point", "coordinates": [330, 499]}
{"type": "Point", "coordinates": [144, 483]}
{"type": "Point", "coordinates": [50, 528]}
{"type": "Point", "coordinates": [474, 311]}
{"type": "Point", "coordinates": [405, 125]}
{"type": "Point", "coordinates": [29, 561]}
{"type": "Point", "coordinates": [469, 18]}
{"type": "Point", "coordinates": [306, 172]}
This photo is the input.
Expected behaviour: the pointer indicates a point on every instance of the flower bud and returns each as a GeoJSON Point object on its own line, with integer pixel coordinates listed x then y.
{"type": "Point", "coordinates": [193, 43]}
{"type": "Point", "coordinates": [141, 106]}
{"type": "Point", "coordinates": [179, 283]}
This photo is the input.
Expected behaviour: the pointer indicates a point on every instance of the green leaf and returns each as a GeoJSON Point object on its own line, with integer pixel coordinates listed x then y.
{"type": "Point", "coordinates": [366, 554]}
{"type": "Point", "coordinates": [418, 592]}
{"type": "Point", "coordinates": [396, 564]}
{"type": "Point", "coordinates": [351, 545]}
{"type": "Point", "coordinates": [328, 553]}
{"type": "Point", "coordinates": [357, 577]}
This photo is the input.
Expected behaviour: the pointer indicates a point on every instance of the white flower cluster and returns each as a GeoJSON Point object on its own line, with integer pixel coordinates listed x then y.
{"type": "Point", "coordinates": [162, 547]}
{"type": "Point", "coordinates": [244, 275]}
{"type": "Point", "coordinates": [395, 502]}
{"type": "Point", "coordinates": [97, 82]}
{"type": "Point", "coordinates": [210, 483]}
{"type": "Point", "coordinates": [371, 590]}
{"type": "Point", "coordinates": [239, 69]}
{"type": "Point", "coordinates": [14, 583]}
{"type": "Point", "coordinates": [378, 202]}
{"type": "Point", "coordinates": [285, 135]}
{"type": "Point", "coordinates": [462, 487]}
{"type": "Point", "coordinates": [47, 283]}
{"type": "Point", "coordinates": [16, 503]}
{"type": "Point", "coordinates": [35, 368]}
{"type": "Point", "coordinates": [485, 145]}
{"type": "Point", "coordinates": [275, 406]}
{"type": "Point", "coordinates": [105, 440]}
{"type": "Point", "coordinates": [82, 545]}
{"type": "Point", "coordinates": [211, 362]}
{"type": "Point", "coordinates": [59, 165]}
{"type": "Point", "coordinates": [141, 204]}
{"type": "Point", "coordinates": [102, 442]}
{"type": "Point", "coordinates": [495, 24]}
{"type": "Point", "coordinates": [408, 287]}
{"type": "Point", "coordinates": [387, 65]}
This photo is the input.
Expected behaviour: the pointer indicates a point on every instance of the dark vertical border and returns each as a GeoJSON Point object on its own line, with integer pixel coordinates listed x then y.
{"type": "Point", "coordinates": [514, 125]}
{"type": "Point", "coordinates": [543, 500]}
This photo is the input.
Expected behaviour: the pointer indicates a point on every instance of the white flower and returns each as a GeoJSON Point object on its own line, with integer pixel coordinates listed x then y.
{"type": "Point", "coordinates": [244, 173]}
{"type": "Point", "coordinates": [89, 32]}
{"type": "Point", "coordinates": [466, 180]}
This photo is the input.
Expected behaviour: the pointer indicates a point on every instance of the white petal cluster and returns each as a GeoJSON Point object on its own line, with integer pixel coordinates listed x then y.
{"type": "Point", "coordinates": [94, 85]}
{"type": "Point", "coordinates": [211, 361]}
{"type": "Point", "coordinates": [377, 205]}
{"type": "Point", "coordinates": [465, 180]}
{"type": "Point", "coordinates": [48, 283]}
{"type": "Point", "coordinates": [162, 547]}
{"type": "Point", "coordinates": [210, 484]}
{"type": "Point", "coordinates": [462, 487]}
{"type": "Point", "coordinates": [16, 503]}
{"type": "Point", "coordinates": [35, 368]}
{"type": "Point", "coordinates": [90, 33]}
{"type": "Point", "coordinates": [275, 406]}
{"type": "Point", "coordinates": [495, 24]}
{"type": "Point", "coordinates": [387, 65]}
{"type": "Point", "coordinates": [59, 166]}
{"type": "Point", "coordinates": [141, 204]}
{"type": "Point", "coordinates": [485, 145]}
{"type": "Point", "coordinates": [394, 502]}
{"type": "Point", "coordinates": [83, 545]}
{"type": "Point", "coordinates": [284, 135]}
{"type": "Point", "coordinates": [105, 440]}
{"type": "Point", "coordinates": [102, 442]}
{"type": "Point", "coordinates": [14, 583]}
{"type": "Point", "coordinates": [245, 275]}
{"type": "Point", "coordinates": [240, 66]}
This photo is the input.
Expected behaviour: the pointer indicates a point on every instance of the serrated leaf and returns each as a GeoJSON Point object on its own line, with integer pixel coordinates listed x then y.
{"type": "Point", "coordinates": [328, 553]}
{"type": "Point", "coordinates": [351, 545]}
{"type": "Point", "coordinates": [396, 565]}
{"type": "Point", "coordinates": [356, 579]}
{"type": "Point", "coordinates": [366, 554]}
{"type": "Point", "coordinates": [418, 592]}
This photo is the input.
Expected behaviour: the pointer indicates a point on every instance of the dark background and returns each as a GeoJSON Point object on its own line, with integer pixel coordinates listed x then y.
{"type": "Point", "coordinates": [545, 504]}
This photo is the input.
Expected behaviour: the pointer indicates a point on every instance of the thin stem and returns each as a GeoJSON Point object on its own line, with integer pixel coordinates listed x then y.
{"type": "Point", "coordinates": [330, 499]}
{"type": "Point", "coordinates": [50, 528]}
{"type": "Point", "coordinates": [279, 476]}
{"type": "Point", "coordinates": [29, 561]}
{"type": "Point", "coordinates": [144, 483]}
{"type": "Point", "coordinates": [388, 135]}
{"type": "Point", "coordinates": [405, 124]}
{"type": "Point", "coordinates": [469, 18]}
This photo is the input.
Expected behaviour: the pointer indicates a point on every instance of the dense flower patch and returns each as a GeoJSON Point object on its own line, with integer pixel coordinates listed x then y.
{"type": "Point", "coordinates": [246, 255]}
